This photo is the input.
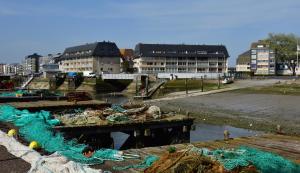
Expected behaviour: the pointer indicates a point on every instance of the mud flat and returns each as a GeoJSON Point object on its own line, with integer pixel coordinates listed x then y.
{"type": "Point", "coordinates": [252, 111]}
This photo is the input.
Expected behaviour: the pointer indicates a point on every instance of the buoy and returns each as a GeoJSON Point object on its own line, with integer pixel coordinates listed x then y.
{"type": "Point", "coordinates": [12, 132]}
{"type": "Point", "coordinates": [33, 145]}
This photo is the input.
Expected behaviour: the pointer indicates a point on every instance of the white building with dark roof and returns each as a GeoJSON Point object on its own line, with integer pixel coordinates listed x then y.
{"type": "Point", "coordinates": [95, 57]}
{"type": "Point", "coordinates": [243, 62]}
{"type": "Point", "coordinates": [180, 58]}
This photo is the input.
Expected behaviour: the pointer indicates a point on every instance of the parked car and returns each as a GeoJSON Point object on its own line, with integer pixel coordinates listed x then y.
{"type": "Point", "coordinates": [89, 74]}
{"type": "Point", "coordinates": [227, 81]}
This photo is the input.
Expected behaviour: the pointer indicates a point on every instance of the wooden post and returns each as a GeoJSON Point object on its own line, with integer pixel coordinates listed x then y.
{"type": "Point", "coordinates": [136, 86]}
{"type": "Point", "coordinates": [186, 88]}
{"type": "Point", "coordinates": [226, 135]}
{"type": "Point", "coordinates": [219, 81]}
{"type": "Point", "coordinates": [147, 83]}
{"type": "Point", "coordinates": [202, 84]}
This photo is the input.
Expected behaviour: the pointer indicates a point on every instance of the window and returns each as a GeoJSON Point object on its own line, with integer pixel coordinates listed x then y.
{"type": "Point", "coordinates": [201, 52]}
{"type": "Point", "coordinates": [201, 69]}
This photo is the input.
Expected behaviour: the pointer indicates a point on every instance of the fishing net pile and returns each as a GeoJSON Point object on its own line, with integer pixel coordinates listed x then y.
{"type": "Point", "coordinates": [38, 127]}
{"type": "Point", "coordinates": [202, 160]}
{"type": "Point", "coordinates": [13, 94]}
{"type": "Point", "coordinates": [115, 113]}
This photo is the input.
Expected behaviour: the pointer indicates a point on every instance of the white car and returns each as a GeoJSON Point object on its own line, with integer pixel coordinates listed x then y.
{"type": "Point", "coordinates": [89, 74]}
{"type": "Point", "coordinates": [227, 81]}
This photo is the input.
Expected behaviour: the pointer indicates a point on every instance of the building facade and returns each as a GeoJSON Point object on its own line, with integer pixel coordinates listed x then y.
{"type": "Point", "coordinates": [11, 69]}
{"type": "Point", "coordinates": [262, 59]}
{"type": "Point", "coordinates": [243, 62]}
{"type": "Point", "coordinates": [49, 59]}
{"type": "Point", "coordinates": [32, 64]}
{"type": "Point", "coordinates": [95, 57]}
{"type": "Point", "coordinates": [2, 68]}
{"type": "Point", "coordinates": [180, 58]}
{"type": "Point", "coordinates": [127, 60]}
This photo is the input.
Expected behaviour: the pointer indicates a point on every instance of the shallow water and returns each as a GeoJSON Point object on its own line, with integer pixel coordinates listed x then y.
{"type": "Point", "coordinates": [208, 132]}
{"type": "Point", "coordinates": [203, 132]}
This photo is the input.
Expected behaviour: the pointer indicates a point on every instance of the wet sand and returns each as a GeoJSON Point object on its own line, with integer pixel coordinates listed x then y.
{"type": "Point", "coordinates": [252, 111]}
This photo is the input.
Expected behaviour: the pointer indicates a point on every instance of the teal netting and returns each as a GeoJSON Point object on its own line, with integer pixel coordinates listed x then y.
{"type": "Point", "coordinates": [148, 161]}
{"type": "Point", "coordinates": [118, 108]}
{"type": "Point", "coordinates": [12, 94]}
{"type": "Point", "coordinates": [38, 127]}
{"type": "Point", "coordinates": [265, 162]}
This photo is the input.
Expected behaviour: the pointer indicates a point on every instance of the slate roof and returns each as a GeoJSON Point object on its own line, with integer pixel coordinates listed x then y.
{"type": "Point", "coordinates": [35, 55]}
{"type": "Point", "coordinates": [180, 50]}
{"type": "Point", "coordinates": [244, 58]}
{"type": "Point", "coordinates": [97, 49]}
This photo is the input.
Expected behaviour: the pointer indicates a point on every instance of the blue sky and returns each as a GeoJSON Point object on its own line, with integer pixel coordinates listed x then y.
{"type": "Point", "coordinates": [49, 26]}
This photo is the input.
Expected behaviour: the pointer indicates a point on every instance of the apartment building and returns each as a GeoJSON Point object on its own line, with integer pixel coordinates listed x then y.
{"type": "Point", "coordinates": [243, 62]}
{"type": "Point", "coordinates": [11, 69]}
{"type": "Point", "coordinates": [94, 57]}
{"type": "Point", "coordinates": [262, 59]}
{"type": "Point", "coordinates": [180, 58]}
{"type": "Point", "coordinates": [31, 64]}
{"type": "Point", "coordinates": [2, 68]}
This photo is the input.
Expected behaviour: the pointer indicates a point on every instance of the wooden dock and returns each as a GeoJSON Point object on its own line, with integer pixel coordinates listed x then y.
{"type": "Point", "coordinates": [286, 146]}
{"type": "Point", "coordinates": [142, 133]}
{"type": "Point", "coordinates": [53, 105]}
{"type": "Point", "coordinates": [30, 98]}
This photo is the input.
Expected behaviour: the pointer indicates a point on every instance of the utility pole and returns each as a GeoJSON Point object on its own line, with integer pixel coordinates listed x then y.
{"type": "Point", "coordinates": [298, 49]}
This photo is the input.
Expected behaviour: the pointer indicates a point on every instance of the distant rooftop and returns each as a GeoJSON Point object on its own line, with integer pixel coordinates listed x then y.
{"type": "Point", "coordinates": [244, 58]}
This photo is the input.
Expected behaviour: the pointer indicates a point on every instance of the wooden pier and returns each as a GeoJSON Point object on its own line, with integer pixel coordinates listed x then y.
{"type": "Point", "coordinates": [146, 133]}
{"type": "Point", "coordinates": [142, 133]}
{"type": "Point", "coordinates": [57, 105]}
{"type": "Point", "coordinates": [286, 146]}
{"type": "Point", "coordinates": [30, 98]}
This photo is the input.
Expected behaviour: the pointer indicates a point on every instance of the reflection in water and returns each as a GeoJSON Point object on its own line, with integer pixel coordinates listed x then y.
{"type": "Point", "coordinates": [207, 132]}
{"type": "Point", "coordinates": [115, 98]}
{"type": "Point", "coordinates": [203, 132]}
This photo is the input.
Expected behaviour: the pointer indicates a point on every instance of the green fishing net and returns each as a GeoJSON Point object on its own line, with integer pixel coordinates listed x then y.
{"type": "Point", "coordinates": [12, 94]}
{"type": "Point", "coordinates": [38, 127]}
{"type": "Point", "coordinates": [265, 162]}
{"type": "Point", "coordinates": [147, 162]}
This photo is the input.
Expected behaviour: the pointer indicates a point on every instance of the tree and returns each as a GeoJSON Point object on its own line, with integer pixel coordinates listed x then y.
{"type": "Point", "coordinates": [285, 46]}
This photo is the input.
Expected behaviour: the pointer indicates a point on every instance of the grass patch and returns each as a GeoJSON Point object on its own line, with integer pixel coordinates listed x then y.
{"type": "Point", "coordinates": [279, 89]}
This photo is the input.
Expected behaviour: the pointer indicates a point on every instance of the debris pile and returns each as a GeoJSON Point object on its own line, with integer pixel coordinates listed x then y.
{"type": "Point", "coordinates": [115, 113]}
{"type": "Point", "coordinates": [243, 159]}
